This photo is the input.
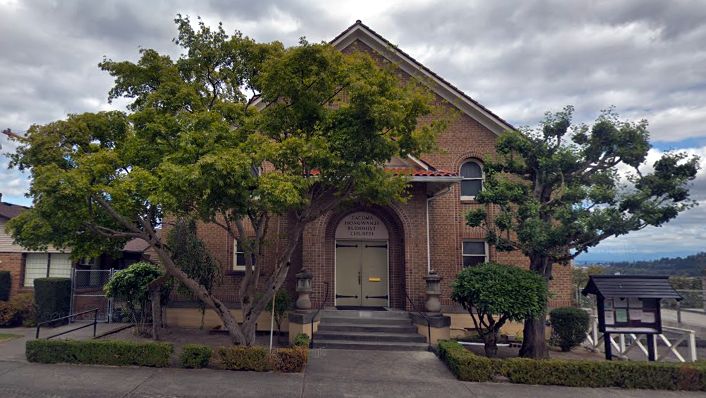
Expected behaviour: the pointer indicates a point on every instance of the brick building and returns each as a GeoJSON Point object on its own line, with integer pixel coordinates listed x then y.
{"type": "Point", "coordinates": [377, 256]}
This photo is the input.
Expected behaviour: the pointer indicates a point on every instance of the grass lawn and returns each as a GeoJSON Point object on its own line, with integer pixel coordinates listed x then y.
{"type": "Point", "coordinates": [8, 336]}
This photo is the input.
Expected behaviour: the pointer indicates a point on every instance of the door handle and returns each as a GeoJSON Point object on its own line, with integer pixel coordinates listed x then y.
{"type": "Point", "coordinates": [360, 281]}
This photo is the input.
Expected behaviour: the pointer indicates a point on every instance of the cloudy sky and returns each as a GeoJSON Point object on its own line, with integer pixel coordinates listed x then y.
{"type": "Point", "coordinates": [647, 58]}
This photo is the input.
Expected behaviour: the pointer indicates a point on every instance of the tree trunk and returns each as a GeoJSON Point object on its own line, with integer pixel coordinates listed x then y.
{"type": "Point", "coordinates": [534, 344]}
{"type": "Point", "coordinates": [491, 344]}
{"type": "Point", "coordinates": [156, 314]}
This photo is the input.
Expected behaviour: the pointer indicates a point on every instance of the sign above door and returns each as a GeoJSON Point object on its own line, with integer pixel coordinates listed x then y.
{"type": "Point", "coordinates": [361, 225]}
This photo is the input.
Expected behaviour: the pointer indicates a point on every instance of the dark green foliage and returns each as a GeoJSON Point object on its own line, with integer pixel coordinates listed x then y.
{"type": "Point", "coordinates": [5, 285]}
{"type": "Point", "coordinates": [494, 294]}
{"type": "Point", "coordinates": [19, 310]}
{"type": "Point", "coordinates": [52, 298]}
{"type": "Point", "coordinates": [625, 374]}
{"type": "Point", "coordinates": [692, 265]}
{"type": "Point", "coordinates": [301, 340]}
{"type": "Point", "coordinates": [190, 255]}
{"type": "Point", "coordinates": [99, 352]}
{"type": "Point", "coordinates": [259, 360]}
{"type": "Point", "coordinates": [195, 356]}
{"type": "Point", "coordinates": [283, 303]}
{"type": "Point", "coordinates": [569, 326]}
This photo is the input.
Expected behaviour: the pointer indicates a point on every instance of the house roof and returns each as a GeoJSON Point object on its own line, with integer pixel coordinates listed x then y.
{"type": "Point", "coordinates": [9, 210]}
{"type": "Point", "coordinates": [640, 286]}
{"type": "Point", "coordinates": [136, 245]}
{"type": "Point", "coordinates": [360, 31]}
{"type": "Point", "coordinates": [420, 173]}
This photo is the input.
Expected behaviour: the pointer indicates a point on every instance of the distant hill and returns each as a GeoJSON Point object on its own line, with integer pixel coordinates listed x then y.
{"type": "Point", "coordinates": [693, 265]}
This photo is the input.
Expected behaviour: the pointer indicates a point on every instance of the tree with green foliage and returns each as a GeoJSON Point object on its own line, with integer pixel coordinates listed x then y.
{"type": "Point", "coordinates": [494, 294]}
{"type": "Point", "coordinates": [580, 276]}
{"type": "Point", "coordinates": [557, 191]}
{"type": "Point", "coordinates": [283, 303]}
{"type": "Point", "coordinates": [234, 133]}
{"type": "Point", "coordinates": [190, 255]}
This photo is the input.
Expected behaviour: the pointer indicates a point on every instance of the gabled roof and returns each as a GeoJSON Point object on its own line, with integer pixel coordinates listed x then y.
{"type": "Point", "coordinates": [9, 210]}
{"type": "Point", "coordinates": [360, 31]}
{"type": "Point", "coordinates": [640, 286]}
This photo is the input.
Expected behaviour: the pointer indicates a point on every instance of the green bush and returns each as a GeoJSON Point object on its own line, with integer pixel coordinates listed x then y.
{"type": "Point", "coordinates": [195, 356]}
{"type": "Point", "coordinates": [18, 311]}
{"type": "Point", "coordinates": [5, 285]}
{"type": "Point", "coordinates": [258, 359]}
{"type": "Point", "coordinates": [625, 374]}
{"type": "Point", "coordinates": [301, 340]}
{"type": "Point", "coordinates": [466, 365]}
{"type": "Point", "coordinates": [52, 297]}
{"type": "Point", "coordinates": [569, 326]}
{"type": "Point", "coordinates": [99, 352]}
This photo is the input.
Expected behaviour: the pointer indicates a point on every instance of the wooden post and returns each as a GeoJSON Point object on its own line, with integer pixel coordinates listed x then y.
{"type": "Point", "coordinates": [156, 313]}
{"type": "Point", "coordinates": [607, 347]}
{"type": "Point", "coordinates": [651, 355]}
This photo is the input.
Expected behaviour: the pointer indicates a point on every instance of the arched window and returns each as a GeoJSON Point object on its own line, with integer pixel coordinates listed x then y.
{"type": "Point", "coordinates": [472, 182]}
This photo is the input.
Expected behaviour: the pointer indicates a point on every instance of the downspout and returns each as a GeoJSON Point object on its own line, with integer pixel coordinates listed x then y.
{"type": "Point", "coordinates": [429, 199]}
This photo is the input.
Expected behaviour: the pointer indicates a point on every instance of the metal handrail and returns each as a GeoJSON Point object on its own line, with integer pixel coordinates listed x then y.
{"type": "Point", "coordinates": [421, 314]}
{"type": "Point", "coordinates": [95, 323]}
{"type": "Point", "coordinates": [321, 305]}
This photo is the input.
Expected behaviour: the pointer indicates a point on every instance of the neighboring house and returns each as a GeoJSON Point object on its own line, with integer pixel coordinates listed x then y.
{"type": "Point", "coordinates": [26, 265]}
{"type": "Point", "coordinates": [373, 256]}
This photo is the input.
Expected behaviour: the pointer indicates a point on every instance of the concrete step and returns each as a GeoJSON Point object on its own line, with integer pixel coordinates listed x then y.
{"type": "Point", "coordinates": [367, 321]}
{"type": "Point", "coordinates": [370, 345]}
{"type": "Point", "coordinates": [363, 327]}
{"type": "Point", "coordinates": [369, 336]}
{"type": "Point", "coordinates": [362, 314]}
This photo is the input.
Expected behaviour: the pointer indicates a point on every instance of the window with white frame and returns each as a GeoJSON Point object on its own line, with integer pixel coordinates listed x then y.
{"type": "Point", "coordinates": [474, 253]}
{"type": "Point", "coordinates": [239, 256]}
{"type": "Point", "coordinates": [472, 179]}
{"type": "Point", "coordinates": [42, 265]}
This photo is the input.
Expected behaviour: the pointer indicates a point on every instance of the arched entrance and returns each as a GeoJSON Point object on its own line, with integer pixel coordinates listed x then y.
{"type": "Point", "coordinates": [362, 276]}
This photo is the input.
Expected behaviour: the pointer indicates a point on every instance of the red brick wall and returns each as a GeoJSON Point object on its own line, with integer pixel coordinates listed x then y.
{"type": "Point", "coordinates": [13, 262]}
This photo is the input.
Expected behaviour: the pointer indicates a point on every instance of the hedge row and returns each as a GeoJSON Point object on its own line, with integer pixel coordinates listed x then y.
{"type": "Point", "coordinates": [99, 352]}
{"type": "Point", "coordinates": [122, 353]}
{"type": "Point", "coordinates": [649, 375]}
{"type": "Point", "coordinates": [260, 360]}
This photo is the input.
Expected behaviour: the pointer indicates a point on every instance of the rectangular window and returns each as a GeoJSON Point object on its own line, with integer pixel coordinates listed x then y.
{"type": "Point", "coordinates": [474, 253]}
{"type": "Point", "coordinates": [42, 265]}
{"type": "Point", "coordinates": [239, 256]}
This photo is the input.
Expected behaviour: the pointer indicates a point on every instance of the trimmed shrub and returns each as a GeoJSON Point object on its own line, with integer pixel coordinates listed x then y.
{"type": "Point", "coordinates": [18, 311]}
{"type": "Point", "coordinates": [244, 358]}
{"type": "Point", "coordinates": [290, 360]}
{"type": "Point", "coordinates": [99, 352]}
{"type": "Point", "coordinates": [52, 297]}
{"type": "Point", "coordinates": [466, 365]}
{"type": "Point", "coordinates": [5, 285]}
{"type": "Point", "coordinates": [570, 326]}
{"type": "Point", "coordinates": [625, 374]}
{"type": "Point", "coordinates": [301, 340]}
{"type": "Point", "coordinates": [258, 359]}
{"type": "Point", "coordinates": [195, 356]}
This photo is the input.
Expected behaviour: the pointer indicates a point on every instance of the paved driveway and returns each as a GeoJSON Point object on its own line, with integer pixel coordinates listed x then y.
{"type": "Point", "coordinates": [330, 373]}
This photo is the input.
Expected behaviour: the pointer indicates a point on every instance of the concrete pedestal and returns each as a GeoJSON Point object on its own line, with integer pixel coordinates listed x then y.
{"type": "Point", "coordinates": [300, 321]}
{"type": "Point", "coordinates": [438, 327]}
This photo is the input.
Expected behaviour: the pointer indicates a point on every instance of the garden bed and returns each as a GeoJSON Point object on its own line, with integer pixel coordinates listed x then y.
{"type": "Point", "coordinates": [468, 366]}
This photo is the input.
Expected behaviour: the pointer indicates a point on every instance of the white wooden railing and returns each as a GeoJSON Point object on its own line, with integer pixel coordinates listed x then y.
{"type": "Point", "coordinates": [624, 343]}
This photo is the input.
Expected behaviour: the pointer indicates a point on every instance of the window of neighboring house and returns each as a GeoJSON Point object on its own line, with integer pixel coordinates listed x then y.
{"type": "Point", "coordinates": [239, 256]}
{"type": "Point", "coordinates": [472, 179]}
{"type": "Point", "coordinates": [42, 265]}
{"type": "Point", "coordinates": [474, 253]}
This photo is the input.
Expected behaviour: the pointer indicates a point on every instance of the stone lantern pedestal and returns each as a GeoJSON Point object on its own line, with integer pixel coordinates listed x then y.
{"type": "Point", "coordinates": [433, 291]}
{"type": "Point", "coordinates": [433, 324]}
{"type": "Point", "coordinates": [304, 290]}
{"type": "Point", "coordinates": [303, 319]}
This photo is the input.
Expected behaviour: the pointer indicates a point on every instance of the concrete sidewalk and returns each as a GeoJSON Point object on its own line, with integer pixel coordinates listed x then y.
{"type": "Point", "coordinates": [330, 373]}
